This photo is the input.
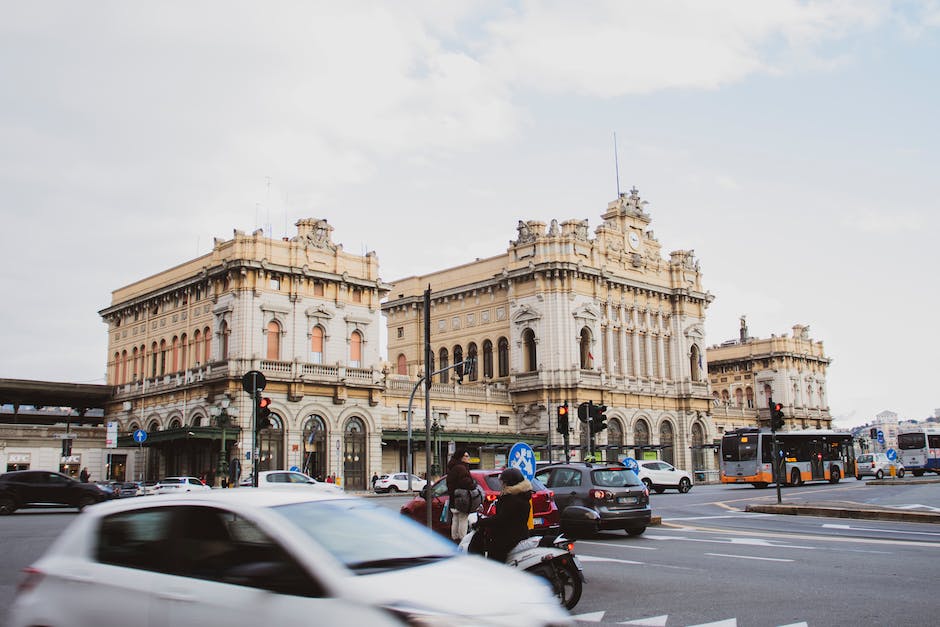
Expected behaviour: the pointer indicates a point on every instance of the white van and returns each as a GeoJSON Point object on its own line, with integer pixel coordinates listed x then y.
{"type": "Point", "coordinates": [876, 465]}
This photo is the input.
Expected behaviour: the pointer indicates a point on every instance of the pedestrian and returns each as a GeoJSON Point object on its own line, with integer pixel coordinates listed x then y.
{"type": "Point", "coordinates": [458, 478]}
{"type": "Point", "coordinates": [329, 478]}
{"type": "Point", "coordinates": [375, 477]}
{"type": "Point", "coordinates": [84, 476]}
{"type": "Point", "coordinates": [510, 525]}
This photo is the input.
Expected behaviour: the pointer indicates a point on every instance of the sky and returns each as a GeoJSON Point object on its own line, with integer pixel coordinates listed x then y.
{"type": "Point", "coordinates": [794, 146]}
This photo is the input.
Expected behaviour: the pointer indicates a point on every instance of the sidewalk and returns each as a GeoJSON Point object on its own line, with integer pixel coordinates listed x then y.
{"type": "Point", "coordinates": [851, 509]}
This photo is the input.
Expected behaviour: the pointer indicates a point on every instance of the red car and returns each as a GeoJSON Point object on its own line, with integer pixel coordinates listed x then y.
{"type": "Point", "coordinates": [544, 511]}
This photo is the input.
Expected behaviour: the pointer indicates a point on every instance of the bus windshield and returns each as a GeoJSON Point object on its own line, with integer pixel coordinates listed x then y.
{"type": "Point", "coordinates": [739, 448]}
{"type": "Point", "coordinates": [908, 441]}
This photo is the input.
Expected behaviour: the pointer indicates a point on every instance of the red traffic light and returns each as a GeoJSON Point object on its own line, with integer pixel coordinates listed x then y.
{"type": "Point", "coordinates": [264, 402]}
{"type": "Point", "coordinates": [778, 406]}
{"type": "Point", "coordinates": [562, 410]}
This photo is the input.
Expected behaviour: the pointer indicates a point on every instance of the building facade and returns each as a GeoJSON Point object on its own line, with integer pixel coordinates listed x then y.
{"type": "Point", "coordinates": [299, 310]}
{"type": "Point", "coordinates": [561, 316]}
{"type": "Point", "coordinates": [746, 373]}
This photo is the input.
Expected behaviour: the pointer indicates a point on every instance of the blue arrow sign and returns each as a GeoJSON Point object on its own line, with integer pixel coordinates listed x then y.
{"type": "Point", "coordinates": [891, 454]}
{"type": "Point", "coordinates": [630, 463]}
{"type": "Point", "coordinates": [140, 436]}
{"type": "Point", "coordinates": [522, 456]}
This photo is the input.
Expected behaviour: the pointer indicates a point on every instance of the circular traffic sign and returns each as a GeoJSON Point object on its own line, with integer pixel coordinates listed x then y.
{"type": "Point", "coordinates": [140, 436]}
{"type": "Point", "coordinates": [252, 381]}
{"type": "Point", "coordinates": [630, 463]}
{"type": "Point", "coordinates": [522, 456]}
{"type": "Point", "coordinates": [891, 454]}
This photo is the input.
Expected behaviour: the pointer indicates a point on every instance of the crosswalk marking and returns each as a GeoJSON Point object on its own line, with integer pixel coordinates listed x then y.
{"type": "Point", "coordinates": [593, 558]}
{"type": "Point", "coordinates": [660, 621]}
{"type": "Point", "coordinates": [590, 617]}
{"type": "Point", "coordinates": [652, 621]}
{"type": "Point", "coordinates": [750, 557]}
{"type": "Point", "coordinates": [731, 622]}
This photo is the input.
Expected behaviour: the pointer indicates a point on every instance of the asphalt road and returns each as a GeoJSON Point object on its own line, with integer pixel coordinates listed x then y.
{"type": "Point", "coordinates": [710, 562]}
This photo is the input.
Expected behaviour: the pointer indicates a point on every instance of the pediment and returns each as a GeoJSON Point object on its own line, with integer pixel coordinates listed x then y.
{"type": "Point", "coordinates": [526, 314]}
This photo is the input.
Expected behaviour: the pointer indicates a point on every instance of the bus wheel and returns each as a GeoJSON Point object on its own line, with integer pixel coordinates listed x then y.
{"type": "Point", "coordinates": [834, 475]}
{"type": "Point", "coordinates": [918, 473]}
{"type": "Point", "coordinates": [795, 477]}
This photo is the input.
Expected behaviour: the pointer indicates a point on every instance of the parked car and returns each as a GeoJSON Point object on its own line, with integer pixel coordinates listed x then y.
{"type": "Point", "coordinates": [659, 475]}
{"type": "Point", "coordinates": [42, 488]}
{"type": "Point", "coordinates": [613, 492]}
{"type": "Point", "coordinates": [292, 479]}
{"type": "Point", "coordinates": [125, 489]}
{"type": "Point", "coordinates": [398, 482]}
{"type": "Point", "coordinates": [149, 487]}
{"type": "Point", "coordinates": [544, 511]}
{"type": "Point", "coordinates": [169, 485]}
{"type": "Point", "coordinates": [876, 465]}
{"type": "Point", "coordinates": [243, 558]}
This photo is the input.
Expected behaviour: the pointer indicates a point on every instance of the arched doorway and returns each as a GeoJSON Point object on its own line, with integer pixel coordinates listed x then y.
{"type": "Point", "coordinates": [698, 452]}
{"type": "Point", "coordinates": [641, 437]}
{"type": "Point", "coordinates": [271, 445]}
{"type": "Point", "coordinates": [614, 440]}
{"type": "Point", "coordinates": [529, 356]}
{"type": "Point", "coordinates": [667, 442]}
{"type": "Point", "coordinates": [315, 448]}
{"type": "Point", "coordinates": [354, 455]}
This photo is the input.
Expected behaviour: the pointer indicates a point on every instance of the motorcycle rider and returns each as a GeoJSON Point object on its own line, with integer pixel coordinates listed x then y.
{"type": "Point", "coordinates": [510, 525]}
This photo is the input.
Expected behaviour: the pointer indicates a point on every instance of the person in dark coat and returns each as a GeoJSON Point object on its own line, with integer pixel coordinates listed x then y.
{"type": "Point", "coordinates": [458, 477]}
{"type": "Point", "coordinates": [510, 525]}
{"type": "Point", "coordinates": [84, 476]}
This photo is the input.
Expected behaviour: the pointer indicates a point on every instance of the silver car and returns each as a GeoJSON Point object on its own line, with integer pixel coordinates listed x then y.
{"type": "Point", "coordinates": [876, 465]}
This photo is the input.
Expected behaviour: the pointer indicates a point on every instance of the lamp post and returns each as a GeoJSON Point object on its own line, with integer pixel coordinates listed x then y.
{"type": "Point", "coordinates": [222, 417]}
{"type": "Point", "coordinates": [437, 426]}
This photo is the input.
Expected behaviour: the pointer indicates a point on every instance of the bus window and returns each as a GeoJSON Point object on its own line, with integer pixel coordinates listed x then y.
{"type": "Point", "coordinates": [743, 448]}
{"type": "Point", "coordinates": [908, 441]}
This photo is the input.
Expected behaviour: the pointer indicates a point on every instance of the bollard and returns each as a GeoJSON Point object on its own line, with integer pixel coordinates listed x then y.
{"type": "Point", "coordinates": [892, 470]}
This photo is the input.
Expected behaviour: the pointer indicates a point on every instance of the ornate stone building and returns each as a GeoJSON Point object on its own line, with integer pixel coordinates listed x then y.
{"type": "Point", "coordinates": [300, 310]}
{"type": "Point", "coordinates": [560, 316]}
{"type": "Point", "coordinates": [746, 373]}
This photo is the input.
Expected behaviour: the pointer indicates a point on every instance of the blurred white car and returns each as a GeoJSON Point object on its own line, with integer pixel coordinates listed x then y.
{"type": "Point", "coordinates": [243, 558]}
{"type": "Point", "coordinates": [173, 485]}
{"type": "Point", "coordinates": [659, 475]}
{"type": "Point", "coordinates": [877, 465]}
{"type": "Point", "coordinates": [398, 482]}
{"type": "Point", "coordinates": [292, 479]}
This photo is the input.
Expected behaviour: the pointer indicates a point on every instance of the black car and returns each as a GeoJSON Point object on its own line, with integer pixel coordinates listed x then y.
{"type": "Point", "coordinates": [595, 497]}
{"type": "Point", "coordinates": [39, 488]}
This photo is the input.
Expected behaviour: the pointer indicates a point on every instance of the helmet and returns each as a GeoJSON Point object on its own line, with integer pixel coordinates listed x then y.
{"type": "Point", "coordinates": [511, 476]}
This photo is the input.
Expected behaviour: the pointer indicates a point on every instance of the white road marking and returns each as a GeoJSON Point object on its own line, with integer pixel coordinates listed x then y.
{"type": "Point", "coordinates": [592, 558]}
{"type": "Point", "coordinates": [750, 557]}
{"type": "Point", "coordinates": [652, 621]}
{"type": "Point", "coordinates": [917, 506]}
{"type": "Point", "coordinates": [731, 622]}
{"type": "Point", "coordinates": [590, 617]}
{"type": "Point", "coordinates": [850, 527]}
{"type": "Point", "coordinates": [619, 546]}
{"type": "Point", "coordinates": [741, 514]}
{"type": "Point", "coordinates": [803, 624]}
{"type": "Point", "coordinates": [746, 541]}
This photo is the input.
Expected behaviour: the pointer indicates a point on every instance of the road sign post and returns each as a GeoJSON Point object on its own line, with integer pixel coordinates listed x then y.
{"type": "Point", "coordinates": [254, 382]}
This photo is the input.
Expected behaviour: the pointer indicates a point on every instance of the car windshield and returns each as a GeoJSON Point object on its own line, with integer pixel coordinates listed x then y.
{"type": "Point", "coordinates": [614, 478]}
{"type": "Point", "coordinates": [339, 526]}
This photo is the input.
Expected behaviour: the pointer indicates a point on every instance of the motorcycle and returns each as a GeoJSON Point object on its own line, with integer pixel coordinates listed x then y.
{"type": "Point", "coordinates": [550, 557]}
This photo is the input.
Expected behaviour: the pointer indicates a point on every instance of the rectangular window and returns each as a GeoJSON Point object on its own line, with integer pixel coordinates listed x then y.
{"type": "Point", "coordinates": [455, 322]}
{"type": "Point", "coordinates": [504, 421]}
{"type": "Point", "coordinates": [318, 289]}
{"type": "Point", "coordinates": [474, 419]}
{"type": "Point", "coordinates": [356, 295]}
{"type": "Point", "coordinates": [275, 283]}
{"type": "Point", "coordinates": [401, 332]}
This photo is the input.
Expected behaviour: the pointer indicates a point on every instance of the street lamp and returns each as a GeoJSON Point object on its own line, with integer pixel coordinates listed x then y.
{"type": "Point", "coordinates": [437, 426]}
{"type": "Point", "coordinates": [222, 417]}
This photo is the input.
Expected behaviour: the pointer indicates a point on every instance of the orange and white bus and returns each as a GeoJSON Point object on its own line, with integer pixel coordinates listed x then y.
{"type": "Point", "coordinates": [807, 455]}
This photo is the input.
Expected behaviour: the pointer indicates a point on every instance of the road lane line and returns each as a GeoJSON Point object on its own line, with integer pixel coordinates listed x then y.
{"type": "Point", "coordinates": [619, 546]}
{"type": "Point", "coordinates": [593, 558]}
{"type": "Point", "coordinates": [751, 557]}
{"type": "Point", "coordinates": [849, 527]}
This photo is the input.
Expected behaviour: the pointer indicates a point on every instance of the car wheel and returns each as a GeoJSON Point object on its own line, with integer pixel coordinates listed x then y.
{"type": "Point", "coordinates": [635, 531]}
{"type": "Point", "coordinates": [879, 475]}
{"type": "Point", "coordinates": [648, 484]}
{"type": "Point", "coordinates": [858, 477]}
{"type": "Point", "coordinates": [684, 485]}
{"type": "Point", "coordinates": [84, 502]}
{"type": "Point", "coordinates": [900, 473]}
{"type": "Point", "coordinates": [795, 477]}
{"type": "Point", "coordinates": [393, 488]}
{"type": "Point", "coordinates": [7, 506]}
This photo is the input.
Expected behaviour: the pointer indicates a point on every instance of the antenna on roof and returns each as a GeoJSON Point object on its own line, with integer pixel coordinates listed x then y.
{"type": "Point", "coordinates": [616, 165]}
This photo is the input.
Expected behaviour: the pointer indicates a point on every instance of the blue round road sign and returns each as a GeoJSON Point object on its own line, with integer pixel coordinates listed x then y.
{"type": "Point", "coordinates": [891, 454]}
{"type": "Point", "coordinates": [140, 436]}
{"type": "Point", "coordinates": [522, 456]}
{"type": "Point", "coordinates": [294, 469]}
{"type": "Point", "coordinates": [630, 463]}
{"type": "Point", "coordinates": [881, 436]}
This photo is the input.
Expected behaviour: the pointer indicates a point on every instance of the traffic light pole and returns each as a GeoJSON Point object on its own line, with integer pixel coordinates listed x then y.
{"type": "Point", "coordinates": [254, 436]}
{"type": "Point", "coordinates": [566, 437]}
{"type": "Point", "coordinates": [775, 466]}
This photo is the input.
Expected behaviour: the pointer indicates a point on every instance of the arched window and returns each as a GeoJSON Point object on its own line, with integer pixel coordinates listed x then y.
{"type": "Point", "coordinates": [698, 442]}
{"type": "Point", "coordinates": [716, 399]}
{"type": "Point", "coordinates": [271, 445]}
{"type": "Point", "coordinates": [666, 440]}
{"type": "Point", "coordinates": [134, 363]}
{"type": "Point", "coordinates": [749, 395]}
{"type": "Point", "coordinates": [116, 369]}
{"type": "Point", "coordinates": [207, 344]}
{"type": "Point", "coordinates": [458, 357]}
{"type": "Point", "coordinates": [442, 357]}
{"type": "Point", "coordinates": [809, 395]}
{"type": "Point", "coordinates": [315, 449]}
{"type": "Point", "coordinates": [316, 345]}
{"type": "Point", "coordinates": [184, 352]}
{"type": "Point", "coordinates": [725, 397]}
{"type": "Point", "coordinates": [487, 359]}
{"type": "Point", "coordinates": [768, 394]}
{"type": "Point", "coordinates": [355, 349]}
{"type": "Point", "coordinates": [274, 341]}
{"type": "Point", "coordinates": [695, 363]}
{"type": "Point", "coordinates": [123, 366]}
{"type": "Point", "coordinates": [739, 397]}
{"type": "Point", "coordinates": [224, 333]}
{"type": "Point", "coordinates": [641, 434]}
{"type": "Point", "coordinates": [175, 355]}
{"type": "Point", "coordinates": [475, 368]}
{"type": "Point", "coordinates": [154, 353]}
{"type": "Point", "coordinates": [197, 347]}
{"type": "Point", "coordinates": [402, 364]}
{"type": "Point", "coordinates": [503, 357]}
{"type": "Point", "coordinates": [162, 357]}
{"type": "Point", "coordinates": [587, 359]}
{"type": "Point", "coordinates": [529, 356]}
{"type": "Point", "coordinates": [614, 440]}
{"type": "Point", "coordinates": [822, 398]}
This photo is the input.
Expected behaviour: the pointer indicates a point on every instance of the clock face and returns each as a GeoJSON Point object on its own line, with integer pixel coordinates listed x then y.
{"type": "Point", "coordinates": [634, 240]}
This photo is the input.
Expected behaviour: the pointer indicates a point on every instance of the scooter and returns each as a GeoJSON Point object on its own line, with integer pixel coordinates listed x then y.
{"type": "Point", "coordinates": [551, 557]}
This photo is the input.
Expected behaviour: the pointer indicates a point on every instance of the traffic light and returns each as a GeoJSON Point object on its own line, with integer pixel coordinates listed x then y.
{"type": "Point", "coordinates": [584, 412]}
{"type": "Point", "coordinates": [66, 447]}
{"type": "Point", "coordinates": [264, 413]}
{"type": "Point", "coordinates": [776, 417]}
{"type": "Point", "coordinates": [598, 418]}
{"type": "Point", "coordinates": [874, 433]}
{"type": "Point", "coordinates": [562, 427]}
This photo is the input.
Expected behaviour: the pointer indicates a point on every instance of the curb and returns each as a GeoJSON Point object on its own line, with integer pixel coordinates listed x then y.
{"type": "Point", "coordinates": [840, 512]}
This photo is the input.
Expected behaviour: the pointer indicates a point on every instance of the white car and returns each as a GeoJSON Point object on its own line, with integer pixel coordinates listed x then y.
{"type": "Point", "coordinates": [243, 558]}
{"type": "Point", "coordinates": [291, 479]}
{"type": "Point", "coordinates": [659, 475]}
{"type": "Point", "coordinates": [877, 465]}
{"type": "Point", "coordinates": [398, 482]}
{"type": "Point", "coordinates": [173, 485]}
